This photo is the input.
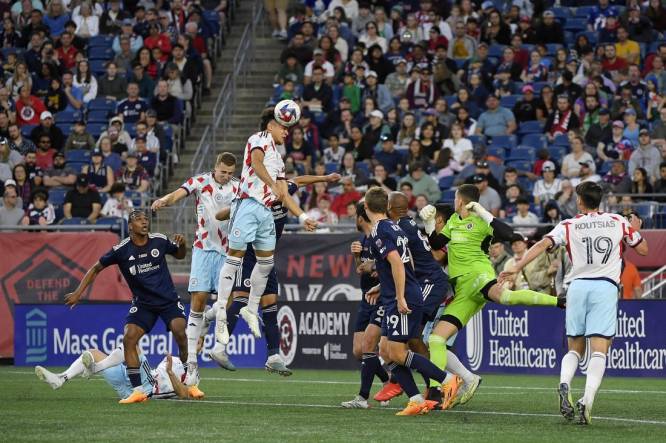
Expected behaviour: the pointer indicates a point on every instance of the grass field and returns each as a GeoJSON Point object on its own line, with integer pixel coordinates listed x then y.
{"type": "Point", "coordinates": [251, 405]}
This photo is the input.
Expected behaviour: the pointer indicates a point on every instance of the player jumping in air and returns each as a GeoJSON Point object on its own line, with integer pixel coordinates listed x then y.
{"type": "Point", "coordinates": [159, 383]}
{"type": "Point", "coordinates": [262, 185]}
{"type": "Point", "coordinates": [594, 243]}
{"type": "Point", "coordinates": [402, 299]}
{"type": "Point", "coordinates": [142, 260]}
{"type": "Point", "coordinates": [467, 234]}
{"type": "Point", "coordinates": [241, 288]}
{"type": "Point", "coordinates": [212, 191]}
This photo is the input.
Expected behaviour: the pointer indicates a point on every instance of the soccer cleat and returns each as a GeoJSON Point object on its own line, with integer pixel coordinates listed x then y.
{"type": "Point", "coordinates": [357, 403]}
{"type": "Point", "coordinates": [566, 403]}
{"type": "Point", "coordinates": [275, 365]}
{"type": "Point", "coordinates": [252, 321]}
{"type": "Point", "coordinates": [88, 364]}
{"type": "Point", "coordinates": [433, 404]}
{"type": "Point", "coordinates": [137, 396]}
{"type": "Point", "coordinates": [222, 359]}
{"type": "Point", "coordinates": [468, 390]}
{"type": "Point", "coordinates": [221, 332]}
{"type": "Point", "coordinates": [387, 392]}
{"type": "Point", "coordinates": [53, 380]}
{"type": "Point", "coordinates": [450, 398]}
{"type": "Point", "coordinates": [584, 413]}
{"type": "Point", "coordinates": [192, 375]}
{"type": "Point", "coordinates": [414, 408]}
{"type": "Point", "coordinates": [195, 393]}
{"type": "Point", "coordinates": [206, 322]}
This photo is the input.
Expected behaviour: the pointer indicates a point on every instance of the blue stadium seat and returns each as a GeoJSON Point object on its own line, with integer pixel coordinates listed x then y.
{"type": "Point", "coordinates": [553, 47]}
{"type": "Point", "coordinates": [504, 141]}
{"type": "Point", "coordinates": [536, 140]}
{"type": "Point", "coordinates": [557, 153]}
{"type": "Point", "coordinates": [98, 116]}
{"type": "Point", "coordinates": [496, 50]}
{"type": "Point", "coordinates": [96, 129]}
{"type": "Point", "coordinates": [77, 155]}
{"type": "Point", "coordinates": [592, 37]}
{"type": "Point", "coordinates": [445, 183]}
{"type": "Point", "coordinates": [450, 100]}
{"type": "Point", "coordinates": [168, 133]}
{"type": "Point", "coordinates": [118, 224]}
{"type": "Point", "coordinates": [77, 166]}
{"type": "Point", "coordinates": [27, 129]}
{"type": "Point", "coordinates": [497, 151]}
{"type": "Point", "coordinates": [561, 140]}
{"type": "Point", "coordinates": [584, 11]}
{"type": "Point", "coordinates": [509, 101]}
{"type": "Point", "coordinates": [100, 53]}
{"type": "Point", "coordinates": [576, 24]}
{"type": "Point", "coordinates": [605, 167]}
{"type": "Point", "coordinates": [98, 67]}
{"type": "Point", "coordinates": [102, 104]}
{"type": "Point", "coordinates": [522, 152]}
{"type": "Point", "coordinates": [57, 196]}
{"type": "Point", "coordinates": [67, 116]}
{"type": "Point", "coordinates": [538, 86]}
{"type": "Point", "coordinates": [104, 41]}
{"type": "Point", "coordinates": [136, 197]}
{"type": "Point", "coordinates": [332, 167]}
{"type": "Point", "coordinates": [520, 165]}
{"type": "Point", "coordinates": [75, 221]}
{"type": "Point", "coordinates": [448, 196]}
{"type": "Point", "coordinates": [531, 127]}
{"type": "Point", "coordinates": [659, 221]}
{"type": "Point", "coordinates": [363, 166]}
{"type": "Point", "coordinates": [477, 140]}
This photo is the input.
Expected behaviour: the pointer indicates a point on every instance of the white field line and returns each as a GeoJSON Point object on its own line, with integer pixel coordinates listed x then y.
{"type": "Point", "coordinates": [520, 389]}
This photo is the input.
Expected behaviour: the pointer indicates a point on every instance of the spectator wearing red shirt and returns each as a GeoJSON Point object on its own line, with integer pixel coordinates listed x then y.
{"type": "Point", "coordinates": [67, 52]}
{"type": "Point", "coordinates": [45, 153]}
{"type": "Point", "coordinates": [612, 63]}
{"type": "Point", "coordinates": [28, 108]}
{"type": "Point", "coordinates": [158, 39]}
{"type": "Point", "coordinates": [436, 39]}
{"type": "Point", "coordinates": [349, 194]}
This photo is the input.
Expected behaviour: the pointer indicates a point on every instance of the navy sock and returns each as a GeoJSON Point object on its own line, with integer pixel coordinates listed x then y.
{"type": "Point", "coordinates": [369, 367]}
{"type": "Point", "coordinates": [392, 378]}
{"type": "Point", "coordinates": [232, 312]}
{"type": "Point", "coordinates": [271, 330]}
{"type": "Point", "coordinates": [404, 377]}
{"type": "Point", "coordinates": [381, 372]}
{"type": "Point", "coordinates": [424, 366]}
{"type": "Point", "coordinates": [134, 375]}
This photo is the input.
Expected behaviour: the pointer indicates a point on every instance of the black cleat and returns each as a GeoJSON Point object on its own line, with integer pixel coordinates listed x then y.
{"type": "Point", "coordinates": [566, 406]}
{"type": "Point", "coordinates": [584, 413]}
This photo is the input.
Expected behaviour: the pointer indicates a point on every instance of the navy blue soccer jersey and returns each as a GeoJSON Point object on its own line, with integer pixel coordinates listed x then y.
{"type": "Point", "coordinates": [131, 110]}
{"type": "Point", "coordinates": [387, 237]}
{"type": "Point", "coordinates": [280, 211]}
{"type": "Point", "coordinates": [367, 281]}
{"type": "Point", "coordinates": [425, 265]}
{"type": "Point", "coordinates": [145, 269]}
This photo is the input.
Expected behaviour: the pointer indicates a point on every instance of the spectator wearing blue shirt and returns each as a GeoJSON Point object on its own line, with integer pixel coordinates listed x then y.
{"type": "Point", "coordinates": [147, 159]}
{"type": "Point", "coordinates": [56, 17]}
{"type": "Point", "coordinates": [377, 91]}
{"type": "Point", "coordinates": [389, 157]}
{"type": "Point", "coordinates": [133, 107]}
{"type": "Point", "coordinates": [73, 93]}
{"type": "Point", "coordinates": [597, 18]}
{"type": "Point", "coordinates": [496, 120]}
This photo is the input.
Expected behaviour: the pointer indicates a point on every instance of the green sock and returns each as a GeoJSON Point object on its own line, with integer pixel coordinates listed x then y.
{"type": "Point", "coordinates": [437, 355]}
{"type": "Point", "coordinates": [527, 297]}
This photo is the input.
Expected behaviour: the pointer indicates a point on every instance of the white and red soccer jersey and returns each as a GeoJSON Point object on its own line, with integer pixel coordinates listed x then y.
{"type": "Point", "coordinates": [163, 387]}
{"type": "Point", "coordinates": [594, 242]}
{"type": "Point", "coordinates": [210, 197]}
{"type": "Point", "coordinates": [251, 186]}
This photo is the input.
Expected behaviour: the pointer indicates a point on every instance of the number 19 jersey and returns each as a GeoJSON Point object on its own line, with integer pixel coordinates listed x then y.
{"type": "Point", "coordinates": [594, 244]}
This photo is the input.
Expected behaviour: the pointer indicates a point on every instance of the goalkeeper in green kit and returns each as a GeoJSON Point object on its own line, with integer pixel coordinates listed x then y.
{"type": "Point", "coordinates": [467, 236]}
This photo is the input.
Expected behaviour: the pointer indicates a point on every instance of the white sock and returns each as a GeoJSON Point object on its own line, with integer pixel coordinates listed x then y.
{"type": "Point", "coordinates": [211, 313]}
{"type": "Point", "coordinates": [454, 365]}
{"type": "Point", "coordinates": [76, 368]}
{"type": "Point", "coordinates": [258, 281]}
{"type": "Point", "coordinates": [569, 365]}
{"type": "Point", "coordinates": [219, 347]}
{"type": "Point", "coordinates": [225, 285]}
{"type": "Point", "coordinates": [193, 331]}
{"type": "Point", "coordinates": [116, 357]}
{"type": "Point", "coordinates": [418, 398]}
{"type": "Point", "coordinates": [595, 373]}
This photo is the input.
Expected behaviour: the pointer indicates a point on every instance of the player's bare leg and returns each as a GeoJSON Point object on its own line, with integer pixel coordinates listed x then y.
{"type": "Point", "coordinates": [225, 285]}
{"type": "Point", "coordinates": [77, 368]}
{"type": "Point", "coordinates": [390, 389]}
{"type": "Point", "coordinates": [193, 332]}
{"type": "Point", "coordinates": [131, 337]}
{"type": "Point", "coordinates": [258, 282]}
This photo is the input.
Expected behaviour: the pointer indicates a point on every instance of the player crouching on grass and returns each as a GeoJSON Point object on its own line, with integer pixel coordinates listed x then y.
{"type": "Point", "coordinates": [142, 260]}
{"type": "Point", "coordinates": [160, 383]}
{"type": "Point", "coordinates": [402, 299]}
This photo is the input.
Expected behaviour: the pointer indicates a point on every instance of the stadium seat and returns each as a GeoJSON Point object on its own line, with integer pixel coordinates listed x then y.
{"type": "Point", "coordinates": [592, 37]}
{"type": "Point", "coordinates": [536, 140]}
{"type": "Point", "coordinates": [584, 11]}
{"type": "Point", "coordinates": [561, 140]}
{"type": "Point", "coordinates": [477, 140]}
{"type": "Point", "coordinates": [496, 50]}
{"type": "Point", "coordinates": [98, 67]}
{"type": "Point", "coordinates": [102, 104]}
{"type": "Point", "coordinates": [509, 101]}
{"type": "Point", "coordinates": [448, 196]}
{"type": "Point", "coordinates": [57, 196]}
{"type": "Point", "coordinates": [332, 167]}
{"type": "Point", "coordinates": [77, 166]}
{"type": "Point", "coordinates": [77, 155]}
{"type": "Point", "coordinates": [538, 86]}
{"type": "Point", "coordinates": [504, 141]}
{"type": "Point", "coordinates": [522, 152]}
{"type": "Point", "coordinates": [605, 167]}
{"type": "Point", "coordinates": [104, 41]}
{"type": "Point", "coordinates": [553, 47]}
{"type": "Point", "coordinates": [520, 165]}
{"type": "Point", "coordinates": [67, 116]}
{"type": "Point", "coordinates": [100, 53]}
{"type": "Point", "coordinates": [496, 151]}
{"type": "Point", "coordinates": [557, 153]}
{"type": "Point", "coordinates": [26, 130]}
{"type": "Point", "coordinates": [136, 197]}
{"type": "Point", "coordinates": [659, 221]}
{"type": "Point", "coordinates": [74, 221]}
{"type": "Point", "coordinates": [530, 127]}
{"type": "Point", "coordinates": [98, 116]}
{"type": "Point", "coordinates": [445, 183]}
{"type": "Point", "coordinates": [96, 129]}
{"type": "Point", "coordinates": [363, 166]}
{"type": "Point", "coordinates": [576, 24]}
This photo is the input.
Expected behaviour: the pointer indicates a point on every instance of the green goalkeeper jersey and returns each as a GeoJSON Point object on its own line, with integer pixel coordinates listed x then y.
{"type": "Point", "coordinates": [469, 238]}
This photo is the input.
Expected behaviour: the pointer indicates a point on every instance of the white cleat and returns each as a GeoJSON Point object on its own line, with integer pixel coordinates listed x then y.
{"type": "Point", "coordinates": [88, 364]}
{"type": "Point", "coordinates": [222, 359]}
{"type": "Point", "coordinates": [192, 375]}
{"type": "Point", "coordinates": [252, 320]}
{"type": "Point", "coordinates": [467, 391]}
{"type": "Point", "coordinates": [357, 403]}
{"type": "Point", "coordinates": [275, 365]}
{"type": "Point", "coordinates": [221, 332]}
{"type": "Point", "coordinates": [53, 380]}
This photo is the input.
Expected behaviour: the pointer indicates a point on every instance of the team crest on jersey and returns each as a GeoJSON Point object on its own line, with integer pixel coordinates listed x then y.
{"type": "Point", "coordinates": [218, 197]}
{"type": "Point", "coordinates": [194, 281]}
{"type": "Point", "coordinates": [236, 233]}
{"type": "Point", "coordinates": [469, 226]}
{"type": "Point", "coordinates": [132, 270]}
{"type": "Point", "coordinates": [247, 283]}
{"type": "Point", "coordinates": [155, 253]}
{"type": "Point", "coordinates": [133, 309]}
{"type": "Point", "coordinates": [378, 242]}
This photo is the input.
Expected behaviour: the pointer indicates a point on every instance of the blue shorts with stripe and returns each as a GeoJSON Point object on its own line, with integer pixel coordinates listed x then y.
{"type": "Point", "coordinates": [402, 327]}
{"type": "Point", "coordinates": [251, 222]}
{"type": "Point", "coordinates": [205, 270]}
{"type": "Point", "coordinates": [242, 282]}
{"type": "Point", "coordinates": [591, 308]}
{"type": "Point", "coordinates": [434, 293]}
{"type": "Point", "coordinates": [117, 377]}
{"type": "Point", "coordinates": [368, 315]}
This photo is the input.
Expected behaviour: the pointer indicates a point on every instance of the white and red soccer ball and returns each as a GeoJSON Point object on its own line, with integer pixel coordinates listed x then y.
{"type": "Point", "coordinates": [287, 113]}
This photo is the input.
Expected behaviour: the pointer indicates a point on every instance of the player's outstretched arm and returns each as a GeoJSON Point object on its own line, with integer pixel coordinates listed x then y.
{"type": "Point", "coordinates": [72, 298]}
{"type": "Point", "coordinates": [178, 387]}
{"type": "Point", "coordinates": [305, 180]}
{"type": "Point", "coordinates": [179, 240]}
{"type": "Point", "coordinates": [257, 156]}
{"type": "Point", "coordinates": [292, 206]}
{"type": "Point", "coordinates": [169, 199]}
{"type": "Point", "coordinates": [223, 214]}
{"type": "Point", "coordinates": [536, 250]}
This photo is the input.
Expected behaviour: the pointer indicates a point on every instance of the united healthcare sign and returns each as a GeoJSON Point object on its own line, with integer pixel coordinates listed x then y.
{"type": "Point", "coordinates": [56, 335]}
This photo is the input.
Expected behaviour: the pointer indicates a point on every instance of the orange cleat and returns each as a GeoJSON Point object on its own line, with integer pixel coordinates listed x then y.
{"type": "Point", "coordinates": [137, 396]}
{"type": "Point", "coordinates": [431, 404]}
{"type": "Point", "coordinates": [195, 392]}
{"type": "Point", "coordinates": [449, 392]}
{"type": "Point", "coordinates": [414, 408]}
{"type": "Point", "coordinates": [389, 391]}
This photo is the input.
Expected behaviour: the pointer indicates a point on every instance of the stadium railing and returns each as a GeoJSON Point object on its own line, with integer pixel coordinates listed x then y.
{"type": "Point", "coordinates": [654, 285]}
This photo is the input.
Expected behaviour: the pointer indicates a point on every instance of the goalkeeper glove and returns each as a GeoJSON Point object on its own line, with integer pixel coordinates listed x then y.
{"type": "Point", "coordinates": [428, 214]}
{"type": "Point", "coordinates": [476, 208]}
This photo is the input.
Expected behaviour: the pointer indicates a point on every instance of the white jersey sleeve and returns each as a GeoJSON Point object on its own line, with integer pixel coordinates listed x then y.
{"type": "Point", "coordinates": [251, 186]}
{"type": "Point", "coordinates": [163, 387]}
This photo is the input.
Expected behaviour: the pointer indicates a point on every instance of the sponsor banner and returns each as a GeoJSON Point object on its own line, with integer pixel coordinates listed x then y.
{"type": "Point", "coordinates": [40, 267]}
{"type": "Point", "coordinates": [318, 335]}
{"type": "Point", "coordinates": [317, 267]}
{"type": "Point", "coordinates": [531, 340]}
{"type": "Point", "coordinates": [54, 335]}
{"type": "Point", "coordinates": [656, 239]}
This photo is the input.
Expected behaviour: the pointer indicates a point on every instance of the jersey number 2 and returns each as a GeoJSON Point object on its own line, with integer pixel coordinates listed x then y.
{"type": "Point", "coordinates": [603, 245]}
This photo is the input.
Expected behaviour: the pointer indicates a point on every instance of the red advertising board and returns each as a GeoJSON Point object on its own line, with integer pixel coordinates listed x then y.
{"type": "Point", "coordinates": [43, 267]}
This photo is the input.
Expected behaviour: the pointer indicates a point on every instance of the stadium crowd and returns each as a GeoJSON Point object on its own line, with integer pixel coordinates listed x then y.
{"type": "Point", "coordinates": [523, 99]}
{"type": "Point", "coordinates": [94, 98]}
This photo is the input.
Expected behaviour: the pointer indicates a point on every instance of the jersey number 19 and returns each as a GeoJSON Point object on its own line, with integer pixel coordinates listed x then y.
{"type": "Point", "coordinates": [602, 245]}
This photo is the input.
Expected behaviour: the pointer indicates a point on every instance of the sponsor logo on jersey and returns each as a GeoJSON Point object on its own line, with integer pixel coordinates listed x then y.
{"type": "Point", "coordinates": [469, 226]}
{"type": "Point", "coordinates": [132, 270]}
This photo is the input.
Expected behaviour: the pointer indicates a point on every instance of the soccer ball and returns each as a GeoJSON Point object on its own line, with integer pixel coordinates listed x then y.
{"type": "Point", "coordinates": [287, 113]}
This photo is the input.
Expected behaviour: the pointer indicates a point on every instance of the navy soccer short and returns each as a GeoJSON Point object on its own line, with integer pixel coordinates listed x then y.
{"type": "Point", "coordinates": [146, 316]}
{"type": "Point", "coordinates": [402, 327]}
{"type": "Point", "coordinates": [242, 283]}
{"type": "Point", "coordinates": [434, 294]}
{"type": "Point", "coordinates": [368, 315]}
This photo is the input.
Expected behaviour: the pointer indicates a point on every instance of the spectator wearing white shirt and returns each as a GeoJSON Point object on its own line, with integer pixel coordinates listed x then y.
{"type": "Point", "coordinates": [87, 24]}
{"type": "Point", "coordinates": [319, 60]}
{"type": "Point", "coordinates": [586, 174]}
{"type": "Point", "coordinates": [371, 37]}
{"type": "Point", "coordinates": [525, 217]}
{"type": "Point", "coordinates": [350, 7]}
{"type": "Point", "coordinates": [572, 162]}
{"type": "Point", "coordinates": [152, 142]}
{"type": "Point", "coordinates": [334, 152]}
{"type": "Point", "coordinates": [461, 147]}
{"type": "Point", "coordinates": [322, 213]}
{"type": "Point", "coordinates": [548, 186]}
{"type": "Point", "coordinates": [117, 205]}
